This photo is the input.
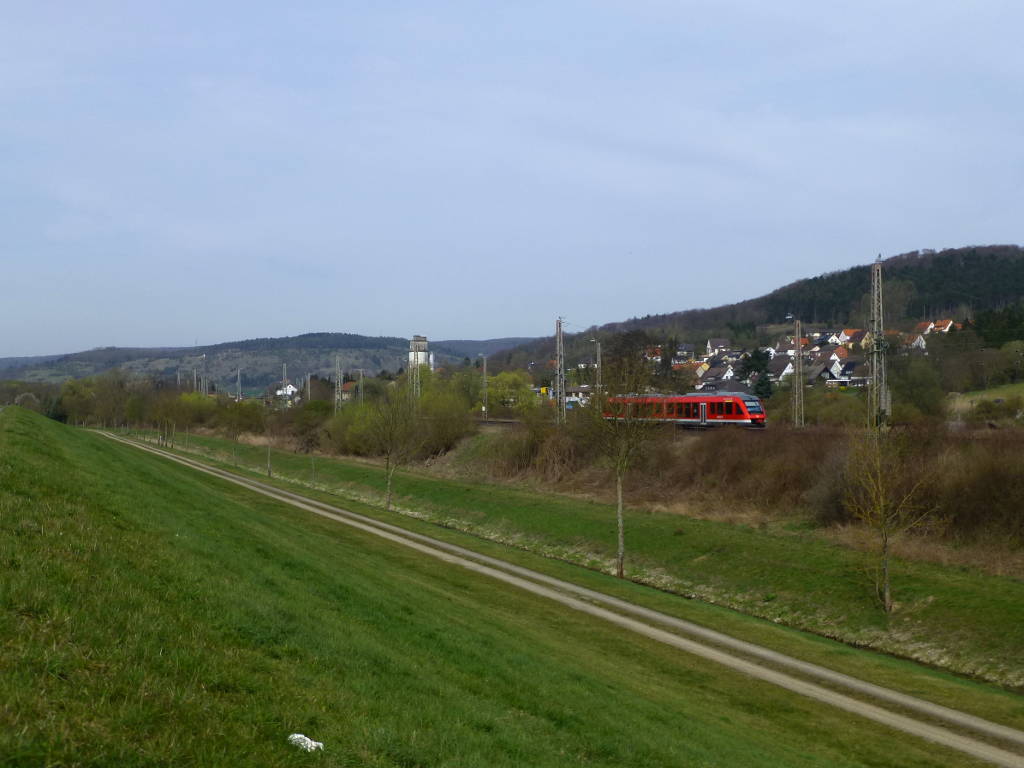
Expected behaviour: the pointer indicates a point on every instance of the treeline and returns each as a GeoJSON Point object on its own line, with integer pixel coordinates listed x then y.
{"type": "Point", "coordinates": [447, 406]}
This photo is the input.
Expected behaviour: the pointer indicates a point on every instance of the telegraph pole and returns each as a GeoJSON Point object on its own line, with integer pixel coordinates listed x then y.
{"type": "Point", "coordinates": [238, 386]}
{"type": "Point", "coordinates": [879, 402]}
{"type": "Point", "coordinates": [309, 386]}
{"type": "Point", "coordinates": [798, 375]}
{"type": "Point", "coordinates": [337, 383]}
{"type": "Point", "coordinates": [559, 373]}
{"type": "Point", "coordinates": [597, 378]}
{"type": "Point", "coordinates": [360, 386]}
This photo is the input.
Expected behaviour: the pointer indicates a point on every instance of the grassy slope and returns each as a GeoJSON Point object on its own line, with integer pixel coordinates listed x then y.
{"type": "Point", "coordinates": [152, 616]}
{"type": "Point", "coordinates": [955, 618]}
{"type": "Point", "coordinates": [964, 401]}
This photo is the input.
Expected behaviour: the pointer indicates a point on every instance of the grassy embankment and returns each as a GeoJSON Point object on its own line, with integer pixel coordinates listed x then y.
{"type": "Point", "coordinates": [962, 403]}
{"type": "Point", "coordinates": [953, 617]}
{"type": "Point", "coordinates": [155, 616]}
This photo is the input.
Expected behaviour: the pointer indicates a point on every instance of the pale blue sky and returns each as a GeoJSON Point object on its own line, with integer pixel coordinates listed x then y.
{"type": "Point", "coordinates": [174, 171]}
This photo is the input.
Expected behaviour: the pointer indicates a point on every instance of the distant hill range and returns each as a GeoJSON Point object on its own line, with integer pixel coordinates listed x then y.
{"type": "Point", "coordinates": [920, 285]}
{"type": "Point", "coordinates": [259, 359]}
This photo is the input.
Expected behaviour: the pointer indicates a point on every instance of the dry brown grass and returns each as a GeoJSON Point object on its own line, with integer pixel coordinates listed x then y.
{"type": "Point", "coordinates": [995, 557]}
{"type": "Point", "coordinates": [774, 478]}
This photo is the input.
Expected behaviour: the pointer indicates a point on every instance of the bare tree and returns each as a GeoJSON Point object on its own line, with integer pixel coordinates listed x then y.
{"type": "Point", "coordinates": [620, 428]}
{"type": "Point", "coordinates": [394, 431]}
{"type": "Point", "coordinates": [884, 493]}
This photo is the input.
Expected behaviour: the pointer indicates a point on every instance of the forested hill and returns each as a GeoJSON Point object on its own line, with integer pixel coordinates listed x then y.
{"type": "Point", "coordinates": [919, 285]}
{"type": "Point", "coordinates": [260, 360]}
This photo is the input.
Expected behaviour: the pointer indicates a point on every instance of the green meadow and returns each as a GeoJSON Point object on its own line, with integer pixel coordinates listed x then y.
{"type": "Point", "coordinates": [951, 618]}
{"type": "Point", "coordinates": [150, 615]}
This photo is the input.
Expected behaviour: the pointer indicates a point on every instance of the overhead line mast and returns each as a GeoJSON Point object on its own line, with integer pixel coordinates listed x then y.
{"type": "Point", "coordinates": [879, 401]}
{"type": "Point", "coordinates": [798, 375]}
{"type": "Point", "coordinates": [559, 373]}
{"type": "Point", "coordinates": [337, 383]}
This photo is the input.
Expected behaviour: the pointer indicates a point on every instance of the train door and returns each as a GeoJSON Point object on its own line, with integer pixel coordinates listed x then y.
{"type": "Point", "coordinates": [703, 414]}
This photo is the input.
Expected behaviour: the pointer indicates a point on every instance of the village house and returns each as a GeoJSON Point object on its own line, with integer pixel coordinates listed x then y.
{"type": "Point", "coordinates": [924, 327]}
{"type": "Point", "coordinates": [915, 342]}
{"type": "Point", "coordinates": [684, 352]}
{"type": "Point", "coordinates": [716, 346]}
{"type": "Point", "coordinates": [780, 367]}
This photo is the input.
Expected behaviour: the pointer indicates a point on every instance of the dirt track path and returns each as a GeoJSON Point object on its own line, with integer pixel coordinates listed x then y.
{"type": "Point", "coordinates": [926, 720]}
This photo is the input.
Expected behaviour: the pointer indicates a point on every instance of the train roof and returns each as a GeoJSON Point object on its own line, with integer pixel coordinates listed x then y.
{"type": "Point", "coordinates": [741, 395]}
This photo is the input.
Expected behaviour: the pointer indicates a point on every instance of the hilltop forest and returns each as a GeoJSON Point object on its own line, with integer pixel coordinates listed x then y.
{"type": "Point", "coordinates": [959, 283]}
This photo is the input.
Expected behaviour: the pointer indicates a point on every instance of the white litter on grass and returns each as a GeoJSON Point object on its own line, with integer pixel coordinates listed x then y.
{"type": "Point", "coordinates": [304, 742]}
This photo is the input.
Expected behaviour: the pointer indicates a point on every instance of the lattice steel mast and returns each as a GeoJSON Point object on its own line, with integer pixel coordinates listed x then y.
{"type": "Point", "coordinates": [559, 373]}
{"type": "Point", "coordinates": [879, 403]}
{"type": "Point", "coordinates": [798, 375]}
{"type": "Point", "coordinates": [337, 383]}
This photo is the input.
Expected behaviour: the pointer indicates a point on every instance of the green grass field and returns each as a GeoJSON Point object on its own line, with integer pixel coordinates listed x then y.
{"type": "Point", "coordinates": [952, 617]}
{"type": "Point", "coordinates": [150, 615]}
{"type": "Point", "coordinates": [963, 402]}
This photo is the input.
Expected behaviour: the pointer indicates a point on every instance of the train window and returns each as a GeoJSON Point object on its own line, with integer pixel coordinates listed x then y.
{"type": "Point", "coordinates": [719, 407]}
{"type": "Point", "coordinates": [728, 408]}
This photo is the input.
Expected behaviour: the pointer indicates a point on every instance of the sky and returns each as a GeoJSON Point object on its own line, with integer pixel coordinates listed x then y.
{"type": "Point", "coordinates": [173, 173]}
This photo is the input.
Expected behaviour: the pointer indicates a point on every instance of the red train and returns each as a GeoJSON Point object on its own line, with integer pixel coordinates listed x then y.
{"type": "Point", "coordinates": [693, 410]}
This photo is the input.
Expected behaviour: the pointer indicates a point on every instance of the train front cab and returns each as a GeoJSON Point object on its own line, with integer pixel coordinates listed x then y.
{"type": "Point", "coordinates": [719, 410]}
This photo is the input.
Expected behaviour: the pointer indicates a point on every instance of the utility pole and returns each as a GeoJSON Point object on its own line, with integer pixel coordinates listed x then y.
{"type": "Point", "coordinates": [597, 378]}
{"type": "Point", "coordinates": [798, 375]}
{"type": "Point", "coordinates": [360, 386]}
{"type": "Point", "coordinates": [195, 379]}
{"type": "Point", "coordinates": [337, 383]}
{"type": "Point", "coordinates": [559, 373]}
{"type": "Point", "coordinates": [879, 403]}
{"type": "Point", "coordinates": [238, 386]}
{"type": "Point", "coordinates": [284, 375]}
{"type": "Point", "coordinates": [484, 391]}
{"type": "Point", "coordinates": [309, 386]}
{"type": "Point", "coordinates": [205, 378]}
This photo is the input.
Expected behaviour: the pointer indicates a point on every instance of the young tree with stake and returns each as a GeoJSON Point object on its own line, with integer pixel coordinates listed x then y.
{"type": "Point", "coordinates": [395, 430]}
{"type": "Point", "coordinates": [883, 495]}
{"type": "Point", "coordinates": [620, 431]}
